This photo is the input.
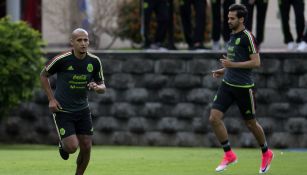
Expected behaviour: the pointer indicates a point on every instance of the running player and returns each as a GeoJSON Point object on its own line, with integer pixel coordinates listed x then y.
{"type": "Point", "coordinates": [237, 86]}
{"type": "Point", "coordinates": [78, 71]}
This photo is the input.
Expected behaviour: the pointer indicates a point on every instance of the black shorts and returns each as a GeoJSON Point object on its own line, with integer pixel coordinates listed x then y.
{"type": "Point", "coordinates": [244, 98]}
{"type": "Point", "coordinates": [70, 123]}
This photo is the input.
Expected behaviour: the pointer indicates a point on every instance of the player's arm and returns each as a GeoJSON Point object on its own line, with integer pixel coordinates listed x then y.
{"type": "Point", "coordinates": [98, 87]}
{"type": "Point", "coordinates": [254, 62]}
{"type": "Point", "coordinates": [218, 73]}
{"type": "Point", "coordinates": [98, 84]}
{"type": "Point", "coordinates": [54, 105]}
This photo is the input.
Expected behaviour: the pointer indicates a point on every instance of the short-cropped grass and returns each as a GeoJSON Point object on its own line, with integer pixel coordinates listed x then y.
{"type": "Point", "coordinates": [131, 160]}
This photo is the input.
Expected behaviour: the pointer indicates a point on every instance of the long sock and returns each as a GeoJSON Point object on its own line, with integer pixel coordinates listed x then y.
{"type": "Point", "coordinates": [264, 147]}
{"type": "Point", "coordinates": [226, 146]}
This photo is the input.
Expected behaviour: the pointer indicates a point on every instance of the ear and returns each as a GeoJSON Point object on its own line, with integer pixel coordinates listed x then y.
{"type": "Point", "coordinates": [241, 20]}
{"type": "Point", "coordinates": [71, 42]}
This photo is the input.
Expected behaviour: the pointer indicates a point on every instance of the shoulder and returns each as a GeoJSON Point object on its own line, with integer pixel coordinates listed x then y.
{"type": "Point", "coordinates": [57, 58]}
{"type": "Point", "coordinates": [62, 55]}
{"type": "Point", "coordinates": [94, 57]}
{"type": "Point", "coordinates": [250, 40]}
{"type": "Point", "coordinates": [248, 35]}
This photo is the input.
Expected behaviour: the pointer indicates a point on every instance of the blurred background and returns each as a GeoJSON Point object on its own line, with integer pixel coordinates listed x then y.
{"type": "Point", "coordinates": [115, 24]}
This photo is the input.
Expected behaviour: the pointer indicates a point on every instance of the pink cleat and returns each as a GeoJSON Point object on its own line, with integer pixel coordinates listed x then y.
{"type": "Point", "coordinates": [229, 158]}
{"type": "Point", "coordinates": [267, 157]}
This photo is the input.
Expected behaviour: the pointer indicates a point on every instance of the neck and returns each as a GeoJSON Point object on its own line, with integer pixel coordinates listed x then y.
{"type": "Point", "coordinates": [239, 29]}
{"type": "Point", "coordinates": [79, 55]}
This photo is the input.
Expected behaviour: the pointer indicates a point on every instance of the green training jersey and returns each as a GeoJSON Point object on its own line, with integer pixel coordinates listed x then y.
{"type": "Point", "coordinates": [73, 75]}
{"type": "Point", "coordinates": [240, 46]}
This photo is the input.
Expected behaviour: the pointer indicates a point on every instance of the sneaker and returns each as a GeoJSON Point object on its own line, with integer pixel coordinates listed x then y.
{"type": "Point", "coordinates": [199, 46]}
{"type": "Point", "coordinates": [267, 157]}
{"type": "Point", "coordinates": [302, 46]}
{"type": "Point", "coordinates": [229, 158]}
{"type": "Point", "coordinates": [63, 153]}
{"type": "Point", "coordinates": [291, 46]}
{"type": "Point", "coordinates": [158, 47]}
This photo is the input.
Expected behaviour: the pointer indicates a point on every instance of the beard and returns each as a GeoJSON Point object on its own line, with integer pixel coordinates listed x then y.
{"type": "Point", "coordinates": [233, 26]}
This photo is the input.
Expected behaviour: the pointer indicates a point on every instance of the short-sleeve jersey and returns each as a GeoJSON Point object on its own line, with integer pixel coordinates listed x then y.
{"type": "Point", "coordinates": [73, 75]}
{"type": "Point", "coordinates": [240, 46]}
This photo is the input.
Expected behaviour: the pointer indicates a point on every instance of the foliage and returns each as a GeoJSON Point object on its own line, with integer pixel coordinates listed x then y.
{"type": "Point", "coordinates": [21, 60]}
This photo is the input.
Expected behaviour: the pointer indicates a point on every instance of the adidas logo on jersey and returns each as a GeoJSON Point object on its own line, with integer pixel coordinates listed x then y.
{"type": "Point", "coordinates": [70, 68]}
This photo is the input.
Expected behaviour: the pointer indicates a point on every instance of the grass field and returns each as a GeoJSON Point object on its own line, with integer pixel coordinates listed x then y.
{"type": "Point", "coordinates": [44, 160]}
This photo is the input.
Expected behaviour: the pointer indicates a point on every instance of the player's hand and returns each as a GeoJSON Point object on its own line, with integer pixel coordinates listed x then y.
{"type": "Point", "coordinates": [226, 62]}
{"type": "Point", "coordinates": [54, 105]}
{"type": "Point", "coordinates": [92, 86]}
{"type": "Point", "coordinates": [99, 88]}
{"type": "Point", "coordinates": [218, 73]}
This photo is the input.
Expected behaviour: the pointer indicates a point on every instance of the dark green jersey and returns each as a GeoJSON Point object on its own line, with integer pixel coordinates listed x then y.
{"type": "Point", "coordinates": [73, 75]}
{"type": "Point", "coordinates": [240, 46]}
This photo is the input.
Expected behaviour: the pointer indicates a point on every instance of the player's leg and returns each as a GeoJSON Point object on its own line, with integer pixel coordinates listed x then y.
{"type": "Point", "coordinates": [246, 102]}
{"type": "Point", "coordinates": [84, 131]}
{"type": "Point", "coordinates": [221, 103]}
{"type": "Point", "coordinates": [68, 142]}
{"type": "Point", "coordinates": [85, 143]}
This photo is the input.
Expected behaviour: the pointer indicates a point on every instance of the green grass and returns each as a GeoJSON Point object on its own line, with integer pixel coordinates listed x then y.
{"type": "Point", "coordinates": [44, 160]}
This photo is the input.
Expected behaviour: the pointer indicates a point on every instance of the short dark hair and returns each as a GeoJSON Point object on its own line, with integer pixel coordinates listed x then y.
{"type": "Point", "coordinates": [240, 9]}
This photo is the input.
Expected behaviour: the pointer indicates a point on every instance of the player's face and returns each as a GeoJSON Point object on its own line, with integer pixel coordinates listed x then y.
{"type": "Point", "coordinates": [233, 20]}
{"type": "Point", "coordinates": [80, 42]}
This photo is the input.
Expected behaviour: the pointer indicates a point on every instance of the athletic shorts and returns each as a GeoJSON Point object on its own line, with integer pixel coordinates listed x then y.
{"type": "Point", "coordinates": [243, 97]}
{"type": "Point", "coordinates": [71, 123]}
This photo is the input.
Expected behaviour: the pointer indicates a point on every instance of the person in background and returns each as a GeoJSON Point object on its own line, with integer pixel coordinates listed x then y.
{"type": "Point", "coordinates": [238, 87]}
{"type": "Point", "coordinates": [262, 6]}
{"type": "Point", "coordinates": [220, 25]}
{"type": "Point", "coordinates": [78, 72]}
{"type": "Point", "coordinates": [303, 44]}
{"type": "Point", "coordinates": [161, 10]}
{"type": "Point", "coordinates": [299, 7]}
{"type": "Point", "coordinates": [193, 33]}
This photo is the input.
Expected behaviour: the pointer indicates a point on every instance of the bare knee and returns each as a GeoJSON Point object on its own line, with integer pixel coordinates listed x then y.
{"type": "Point", "coordinates": [215, 117]}
{"type": "Point", "coordinates": [85, 143]}
{"type": "Point", "coordinates": [250, 124]}
{"type": "Point", "coordinates": [70, 144]}
{"type": "Point", "coordinates": [71, 147]}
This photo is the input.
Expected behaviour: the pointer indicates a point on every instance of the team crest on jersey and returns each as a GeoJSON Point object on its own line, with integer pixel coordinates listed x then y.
{"type": "Point", "coordinates": [90, 68]}
{"type": "Point", "coordinates": [238, 40]}
{"type": "Point", "coordinates": [62, 131]}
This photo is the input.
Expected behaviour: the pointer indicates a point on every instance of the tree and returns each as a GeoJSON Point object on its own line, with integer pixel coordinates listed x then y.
{"type": "Point", "coordinates": [21, 60]}
{"type": "Point", "coordinates": [102, 15]}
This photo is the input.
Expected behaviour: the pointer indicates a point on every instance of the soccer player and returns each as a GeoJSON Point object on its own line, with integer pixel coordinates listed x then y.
{"type": "Point", "coordinates": [78, 71]}
{"type": "Point", "coordinates": [237, 86]}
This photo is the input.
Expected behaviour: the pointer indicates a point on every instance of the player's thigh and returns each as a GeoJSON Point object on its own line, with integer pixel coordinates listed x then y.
{"type": "Point", "coordinates": [245, 99]}
{"type": "Point", "coordinates": [64, 123]}
{"type": "Point", "coordinates": [85, 142]}
{"type": "Point", "coordinates": [83, 123]}
{"type": "Point", "coordinates": [223, 98]}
